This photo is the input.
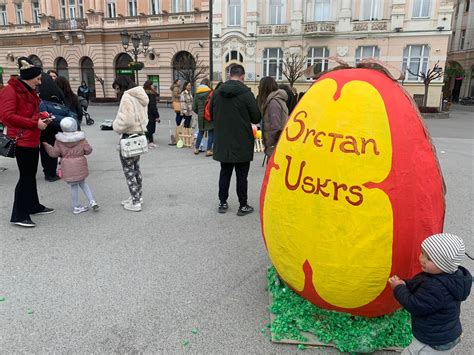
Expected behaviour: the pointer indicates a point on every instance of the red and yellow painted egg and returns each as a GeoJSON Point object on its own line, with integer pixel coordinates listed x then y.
{"type": "Point", "coordinates": [352, 189]}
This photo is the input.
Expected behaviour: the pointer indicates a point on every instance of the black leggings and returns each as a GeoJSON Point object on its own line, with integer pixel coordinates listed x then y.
{"type": "Point", "coordinates": [26, 194]}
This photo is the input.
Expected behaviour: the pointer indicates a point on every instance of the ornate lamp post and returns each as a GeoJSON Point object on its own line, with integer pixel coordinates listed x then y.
{"type": "Point", "coordinates": [136, 50]}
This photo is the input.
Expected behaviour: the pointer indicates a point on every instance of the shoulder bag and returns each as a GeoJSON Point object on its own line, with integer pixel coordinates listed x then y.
{"type": "Point", "coordinates": [135, 144]}
{"type": "Point", "coordinates": [8, 145]}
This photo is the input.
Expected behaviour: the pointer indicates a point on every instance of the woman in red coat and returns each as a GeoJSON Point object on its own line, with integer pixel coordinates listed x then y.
{"type": "Point", "coordinates": [20, 113]}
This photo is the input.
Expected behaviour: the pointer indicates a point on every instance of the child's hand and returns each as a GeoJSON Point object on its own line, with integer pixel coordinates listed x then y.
{"type": "Point", "coordinates": [394, 281]}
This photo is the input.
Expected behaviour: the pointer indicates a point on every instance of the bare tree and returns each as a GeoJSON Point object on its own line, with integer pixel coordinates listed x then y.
{"type": "Point", "coordinates": [293, 67]}
{"type": "Point", "coordinates": [101, 81]}
{"type": "Point", "coordinates": [428, 77]}
{"type": "Point", "coordinates": [191, 68]}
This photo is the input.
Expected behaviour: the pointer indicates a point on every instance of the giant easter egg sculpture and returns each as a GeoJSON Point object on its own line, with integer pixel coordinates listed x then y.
{"type": "Point", "coordinates": [352, 189]}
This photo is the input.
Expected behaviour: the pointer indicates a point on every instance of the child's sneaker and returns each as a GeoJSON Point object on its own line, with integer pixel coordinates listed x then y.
{"type": "Point", "coordinates": [94, 205]}
{"type": "Point", "coordinates": [129, 200]}
{"type": "Point", "coordinates": [135, 207]}
{"type": "Point", "coordinates": [80, 209]}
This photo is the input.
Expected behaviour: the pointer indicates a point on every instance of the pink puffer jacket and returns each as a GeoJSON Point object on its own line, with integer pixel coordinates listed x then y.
{"type": "Point", "coordinates": [72, 147]}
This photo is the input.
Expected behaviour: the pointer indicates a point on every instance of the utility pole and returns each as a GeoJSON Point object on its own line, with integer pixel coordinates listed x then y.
{"type": "Point", "coordinates": [211, 70]}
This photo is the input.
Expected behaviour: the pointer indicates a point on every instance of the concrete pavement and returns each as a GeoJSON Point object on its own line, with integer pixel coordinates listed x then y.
{"type": "Point", "coordinates": [124, 282]}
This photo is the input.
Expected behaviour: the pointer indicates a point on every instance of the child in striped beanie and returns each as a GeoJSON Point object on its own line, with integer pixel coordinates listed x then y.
{"type": "Point", "coordinates": [433, 297]}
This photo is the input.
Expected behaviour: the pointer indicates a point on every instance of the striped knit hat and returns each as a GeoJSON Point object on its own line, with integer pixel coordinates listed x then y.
{"type": "Point", "coordinates": [445, 250]}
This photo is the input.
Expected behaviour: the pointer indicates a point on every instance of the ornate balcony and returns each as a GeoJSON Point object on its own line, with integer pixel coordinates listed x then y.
{"type": "Point", "coordinates": [273, 30]}
{"type": "Point", "coordinates": [319, 27]}
{"type": "Point", "coordinates": [370, 26]}
{"type": "Point", "coordinates": [78, 24]}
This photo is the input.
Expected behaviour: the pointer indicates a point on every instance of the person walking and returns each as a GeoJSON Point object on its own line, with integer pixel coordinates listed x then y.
{"type": "Point", "coordinates": [132, 118]}
{"type": "Point", "coordinates": [71, 145]}
{"type": "Point", "coordinates": [153, 114]}
{"type": "Point", "coordinates": [233, 110]}
{"type": "Point", "coordinates": [202, 94]}
{"type": "Point", "coordinates": [272, 104]}
{"type": "Point", "coordinates": [71, 100]}
{"type": "Point", "coordinates": [20, 114]}
{"type": "Point", "coordinates": [186, 101]}
{"type": "Point", "coordinates": [175, 92]}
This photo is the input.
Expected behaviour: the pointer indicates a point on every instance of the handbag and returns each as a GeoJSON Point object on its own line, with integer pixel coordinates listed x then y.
{"type": "Point", "coordinates": [176, 106]}
{"type": "Point", "coordinates": [8, 145]}
{"type": "Point", "coordinates": [133, 146]}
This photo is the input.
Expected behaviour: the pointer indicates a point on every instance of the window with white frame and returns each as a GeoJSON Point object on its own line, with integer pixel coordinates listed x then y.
{"type": "Point", "coordinates": [366, 52]}
{"type": "Point", "coordinates": [421, 8]}
{"type": "Point", "coordinates": [234, 12]}
{"type": "Point", "coordinates": [462, 39]}
{"type": "Point", "coordinates": [111, 9]}
{"type": "Point", "coordinates": [234, 55]}
{"type": "Point", "coordinates": [415, 61]}
{"type": "Point", "coordinates": [275, 12]}
{"type": "Point", "coordinates": [35, 11]}
{"type": "Point", "coordinates": [273, 63]}
{"type": "Point", "coordinates": [62, 5]}
{"type": "Point", "coordinates": [371, 10]}
{"type": "Point", "coordinates": [175, 6]}
{"type": "Point", "coordinates": [132, 7]}
{"type": "Point", "coordinates": [319, 57]}
{"type": "Point", "coordinates": [188, 5]}
{"type": "Point", "coordinates": [72, 8]}
{"type": "Point", "coordinates": [181, 5]}
{"type": "Point", "coordinates": [80, 8]}
{"type": "Point", "coordinates": [322, 10]}
{"type": "Point", "coordinates": [154, 7]}
{"type": "Point", "coordinates": [3, 15]}
{"type": "Point", "coordinates": [19, 14]}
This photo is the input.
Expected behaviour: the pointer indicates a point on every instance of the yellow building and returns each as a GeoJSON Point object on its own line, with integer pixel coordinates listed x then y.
{"type": "Point", "coordinates": [81, 39]}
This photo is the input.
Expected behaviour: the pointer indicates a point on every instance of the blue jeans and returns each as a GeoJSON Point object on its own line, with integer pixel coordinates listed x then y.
{"type": "Point", "coordinates": [210, 139]}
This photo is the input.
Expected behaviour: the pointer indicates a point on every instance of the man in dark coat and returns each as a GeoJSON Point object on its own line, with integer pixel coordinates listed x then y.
{"type": "Point", "coordinates": [233, 110]}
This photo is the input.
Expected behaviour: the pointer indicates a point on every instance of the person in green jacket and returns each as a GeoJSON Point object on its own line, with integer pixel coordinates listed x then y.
{"type": "Point", "coordinates": [202, 93]}
{"type": "Point", "coordinates": [233, 110]}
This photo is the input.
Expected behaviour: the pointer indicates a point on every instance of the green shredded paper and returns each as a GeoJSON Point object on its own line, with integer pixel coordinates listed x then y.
{"type": "Point", "coordinates": [294, 315]}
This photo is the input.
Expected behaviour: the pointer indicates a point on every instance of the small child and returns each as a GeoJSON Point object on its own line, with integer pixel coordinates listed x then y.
{"type": "Point", "coordinates": [71, 145]}
{"type": "Point", "coordinates": [433, 297]}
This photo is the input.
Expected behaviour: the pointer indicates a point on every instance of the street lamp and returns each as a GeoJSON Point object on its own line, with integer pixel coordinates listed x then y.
{"type": "Point", "coordinates": [136, 50]}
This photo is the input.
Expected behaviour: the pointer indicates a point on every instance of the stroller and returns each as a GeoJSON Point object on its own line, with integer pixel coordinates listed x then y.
{"type": "Point", "coordinates": [84, 104]}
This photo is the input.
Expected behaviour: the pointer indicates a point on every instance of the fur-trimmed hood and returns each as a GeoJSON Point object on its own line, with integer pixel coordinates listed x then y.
{"type": "Point", "coordinates": [139, 93]}
{"type": "Point", "coordinates": [70, 137]}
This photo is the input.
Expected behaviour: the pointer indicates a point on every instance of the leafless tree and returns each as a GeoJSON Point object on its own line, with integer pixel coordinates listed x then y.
{"type": "Point", "coordinates": [293, 67]}
{"type": "Point", "coordinates": [190, 68]}
{"type": "Point", "coordinates": [101, 81]}
{"type": "Point", "coordinates": [428, 77]}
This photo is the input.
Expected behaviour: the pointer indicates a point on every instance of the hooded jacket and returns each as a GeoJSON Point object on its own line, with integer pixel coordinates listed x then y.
{"type": "Point", "coordinates": [233, 110]}
{"type": "Point", "coordinates": [20, 111]}
{"type": "Point", "coordinates": [274, 114]}
{"type": "Point", "coordinates": [186, 102]}
{"type": "Point", "coordinates": [175, 91]}
{"type": "Point", "coordinates": [434, 302]}
{"type": "Point", "coordinates": [132, 115]}
{"type": "Point", "coordinates": [72, 147]}
{"type": "Point", "coordinates": [202, 93]}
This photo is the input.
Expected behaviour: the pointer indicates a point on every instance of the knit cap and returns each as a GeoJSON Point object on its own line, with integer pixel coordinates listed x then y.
{"type": "Point", "coordinates": [68, 124]}
{"type": "Point", "coordinates": [445, 250]}
{"type": "Point", "coordinates": [27, 69]}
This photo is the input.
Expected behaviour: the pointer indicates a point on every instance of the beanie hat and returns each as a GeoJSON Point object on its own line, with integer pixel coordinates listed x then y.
{"type": "Point", "coordinates": [27, 69]}
{"type": "Point", "coordinates": [445, 250]}
{"type": "Point", "coordinates": [68, 124]}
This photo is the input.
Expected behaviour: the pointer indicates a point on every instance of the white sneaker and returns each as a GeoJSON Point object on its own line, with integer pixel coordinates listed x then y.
{"type": "Point", "coordinates": [152, 145]}
{"type": "Point", "coordinates": [129, 200]}
{"type": "Point", "coordinates": [80, 209]}
{"type": "Point", "coordinates": [137, 207]}
{"type": "Point", "coordinates": [94, 205]}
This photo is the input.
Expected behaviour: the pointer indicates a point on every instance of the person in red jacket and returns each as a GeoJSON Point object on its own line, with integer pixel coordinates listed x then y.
{"type": "Point", "coordinates": [20, 114]}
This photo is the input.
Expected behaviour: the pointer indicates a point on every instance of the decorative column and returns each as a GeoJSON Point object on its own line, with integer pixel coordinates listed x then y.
{"type": "Point", "coordinates": [345, 16]}
{"type": "Point", "coordinates": [297, 17]}
{"type": "Point", "coordinates": [397, 16]}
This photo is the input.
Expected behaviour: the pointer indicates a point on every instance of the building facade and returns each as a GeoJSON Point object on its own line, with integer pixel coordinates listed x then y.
{"type": "Point", "coordinates": [81, 39]}
{"type": "Point", "coordinates": [406, 34]}
{"type": "Point", "coordinates": [460, 67]}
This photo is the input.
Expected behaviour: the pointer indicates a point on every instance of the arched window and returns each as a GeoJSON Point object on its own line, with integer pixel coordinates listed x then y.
{"type": "Point", "coordinates": [121, 66]}
{"type": "Point", "coordinates": [234, 55]}
{"type": "Point", "coordinates": [87, 74]}
{"type": "Point", "coordinates": [62, 67]}
{"type": "Point", "coordinates": [273, 62]}
{"type": "Point", "coordinates": [36, 60]}
{"type": "Point", "coordinates": [184, 66]}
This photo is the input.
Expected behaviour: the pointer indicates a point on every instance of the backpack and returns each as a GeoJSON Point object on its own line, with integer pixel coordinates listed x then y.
{"type": "Point", "coordinates": [58, 111]}
{"type": "Point", "coordinates": [207, 113]}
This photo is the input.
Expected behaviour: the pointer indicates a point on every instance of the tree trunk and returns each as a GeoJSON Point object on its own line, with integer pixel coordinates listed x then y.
{"type": "Point", "coordinates": [425, 97]}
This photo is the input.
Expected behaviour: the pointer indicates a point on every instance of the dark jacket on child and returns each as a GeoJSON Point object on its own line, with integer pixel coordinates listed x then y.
{"type": "Point", "coordinates": [434, 302]}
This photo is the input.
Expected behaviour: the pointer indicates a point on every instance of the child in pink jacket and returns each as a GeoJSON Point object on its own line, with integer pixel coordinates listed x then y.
{"type": "Point", "coordinates": [71, 145]}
